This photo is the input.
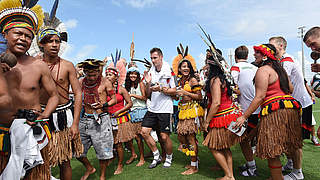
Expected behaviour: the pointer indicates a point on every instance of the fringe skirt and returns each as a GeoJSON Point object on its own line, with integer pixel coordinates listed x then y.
{"type": "Point", "coordinates": [62, 147]}
{"type": "Point", "coordinates": [279, 132]}
{"type": "Point", "coordinates": [124, 133]}
{"type": "Point", "coordinates": [221, 138]}
{"type": "Point", "coordinates": [42, 171]}
{"type": "Point", "coordinates": [187, 126]}
{"type": "Point", "coordinates": [137, 127]}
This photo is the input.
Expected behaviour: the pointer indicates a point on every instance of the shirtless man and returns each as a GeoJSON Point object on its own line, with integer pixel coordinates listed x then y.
{"type": "Point", "coordinates": [5, 98]}
{"type": "Point", "coordinates": [95, 124]}
{"type": "Point", "coordinates": [65, 127]}
{"type": "Point", "coordinates": [24, 82]}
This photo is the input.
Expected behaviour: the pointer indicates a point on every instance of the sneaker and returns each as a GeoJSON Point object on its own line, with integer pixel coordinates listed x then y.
{"type": "Point", "coordinates": [243, 167]}
{"type": "Point", "coordinates": [315, 141]}
{"type": "Point", "coordinates": [167, 164]}
{"type": "Point", "coordinates": [251, 171]}
{"type": "Point", "coordinates": [293, 176]}
{"type": "Point", "coordinates": [155, 163]}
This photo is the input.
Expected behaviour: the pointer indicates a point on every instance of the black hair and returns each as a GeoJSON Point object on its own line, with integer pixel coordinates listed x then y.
{"type": "Point", "coordinates": [282, 74]}
{"type": "Point", "coordinates": [128, 83]}
{"type": "Point", "coordinates": [189, 66]}
{"type": "Point", "coordinates": [214, 72]}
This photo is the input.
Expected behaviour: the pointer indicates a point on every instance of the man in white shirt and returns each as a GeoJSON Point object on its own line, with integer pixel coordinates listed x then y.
{"type": "Point", "coordinates": [312, 40]}
{"type": "Point", "coordinates": [159, 87]}
{"type": "Point", "coordinates": [243, 74]}
{"type": "Point", "coordinates": [300, 93]}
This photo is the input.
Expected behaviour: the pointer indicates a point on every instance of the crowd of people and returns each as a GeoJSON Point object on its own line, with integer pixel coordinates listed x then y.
{"type": "Point", "coordinates": [52, 110]}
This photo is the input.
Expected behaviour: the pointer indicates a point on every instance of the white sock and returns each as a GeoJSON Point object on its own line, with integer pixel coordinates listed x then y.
{"type": "Point", "coordinates": [156, 154]}
{"type": "Point", "coordinates": [252, 163]}
{"type": "Point", "coordinates": [168, 160]}
{"type": "Point", "coordinates": [169, 157]}
{"type": "Point", "coordinates": [194, 164]}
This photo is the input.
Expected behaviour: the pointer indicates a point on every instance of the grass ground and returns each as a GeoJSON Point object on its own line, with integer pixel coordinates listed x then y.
{"type": "Point", "coordinates": [311, 167]}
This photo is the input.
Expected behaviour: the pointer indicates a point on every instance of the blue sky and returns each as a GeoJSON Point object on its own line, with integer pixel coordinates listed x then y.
{"type": "Point", "coordinates": [96, 28]}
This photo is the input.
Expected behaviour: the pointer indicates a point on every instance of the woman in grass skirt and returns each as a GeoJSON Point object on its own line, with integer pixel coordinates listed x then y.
{"type": "Point", "coordinates": [136, 89]}
{"type": "Point", "coordinates": [123, 130]}
{"type": "Point", "coordinates": [279, 130]}
{"type": "Point", "coordinates": [221, 112]}
{"type": "Point", "coordinates": [190, 112]}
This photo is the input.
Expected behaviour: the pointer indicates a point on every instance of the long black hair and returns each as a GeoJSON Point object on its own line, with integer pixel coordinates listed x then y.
{"type": "Point", "coordinates": [191, 73]}
{"type": "Point", "coordinates": [214, 72]}
{"type": "Point", "coordinates": [129, 83]}
{"type": "Point", "coordinates": [282, 74]}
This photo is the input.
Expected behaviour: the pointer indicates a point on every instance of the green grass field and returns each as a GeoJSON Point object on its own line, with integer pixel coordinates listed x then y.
{"type": "Point", "coordinates": [311, 167]}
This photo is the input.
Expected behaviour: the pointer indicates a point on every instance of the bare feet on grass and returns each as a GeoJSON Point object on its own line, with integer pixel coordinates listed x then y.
{"type": "Point", "coordinates": [190, 171]}
{"type": "Point", "coordinates": [87, 173]}
{"type": "Point", "coordinates": [132, 158]}
{"type": "Point", "coordinates": [141, 162]}
{"type": "Point", "coordinates": [118, 170]}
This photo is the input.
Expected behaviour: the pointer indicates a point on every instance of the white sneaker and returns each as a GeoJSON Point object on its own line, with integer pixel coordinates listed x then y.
{"type": "Point", "coordinates": [293, 176]}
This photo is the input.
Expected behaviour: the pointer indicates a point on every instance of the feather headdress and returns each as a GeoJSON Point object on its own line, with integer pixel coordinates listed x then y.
{"type": "Point", "coordinates": [20, 13]}
{"type": "Point", "coordinates": [118, 67]}
{"type": "Point", "coordinates": [146, 63]}
{"type": "Point", "coordinates": [182, 55]}
{"type": "Point", "coordinates": [222, 63]}
{"type": "Point", "coordinates": [51, 26]}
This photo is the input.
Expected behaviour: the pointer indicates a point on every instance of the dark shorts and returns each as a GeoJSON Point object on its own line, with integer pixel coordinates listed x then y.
{"type": "Point", "coordinates": [306, 122]}
{"type": "Point", "coordinates": [160, 120]}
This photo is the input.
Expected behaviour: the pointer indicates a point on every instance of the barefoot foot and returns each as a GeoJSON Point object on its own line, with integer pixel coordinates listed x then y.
{"type": "Point", "coordinates": [118, 171]}
{"type": "Point", "coordinates": [87, 173]}
{"type": "Point", "coordinates": [132, 158]}
{"type": "Point", "coordinates": [190, 171]}
{"type": "Point", "coordinates": [140, 163]}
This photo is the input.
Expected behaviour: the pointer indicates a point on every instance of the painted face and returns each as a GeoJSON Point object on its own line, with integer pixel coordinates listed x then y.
{"type": "Point", "coordinates": [258, 57]}
{"type": "Point", "coordinates": [184, 69]}
{"type": "Point", "coordinates": [313, 42]}
{"type": "Point", "coordinates": [111, 77]}
{"type": "Point", "coordinates": [52, 46]}
{"type": "Point", "coordinates": [156, 60]}
{"type": "Point", "coordinates": [19, 40]}
{"type": "Point", "coordinates": [92, 75]}
{"type": "Point", "coordinates": [133, 76]}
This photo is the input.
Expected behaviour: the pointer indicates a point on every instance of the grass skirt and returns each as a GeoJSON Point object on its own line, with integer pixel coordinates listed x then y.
{"type": "Point", "coordinates": [279, 132]}
{"type": "Point", "coordinates": [221, 138]}
{"type": "Point", "coordinates": [187, 126]}
{"type": "Point", "coordinates": [124, 133]}
{"type": "Point", "coordinates": [62, 147]}
{"type": "Point", "coordinates": [42, 171]}
{"type": "Point", "coordinates": [137, 127]}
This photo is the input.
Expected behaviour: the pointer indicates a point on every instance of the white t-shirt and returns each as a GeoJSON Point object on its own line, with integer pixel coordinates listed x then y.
{"type": "Point", "coordinates": [243, 74]}
{"type": "Point", "coordinates": [295, 75]}
{"type": "Point", "coordinates": [161, 103]}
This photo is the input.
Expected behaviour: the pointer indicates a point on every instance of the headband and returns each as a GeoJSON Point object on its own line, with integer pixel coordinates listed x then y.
{"type": "Point", "coordinates": [266, 51]}
{"type": "Point", "coordinates": [113, 71]}
{"type": "Point", "coordinates": [48, 32]}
